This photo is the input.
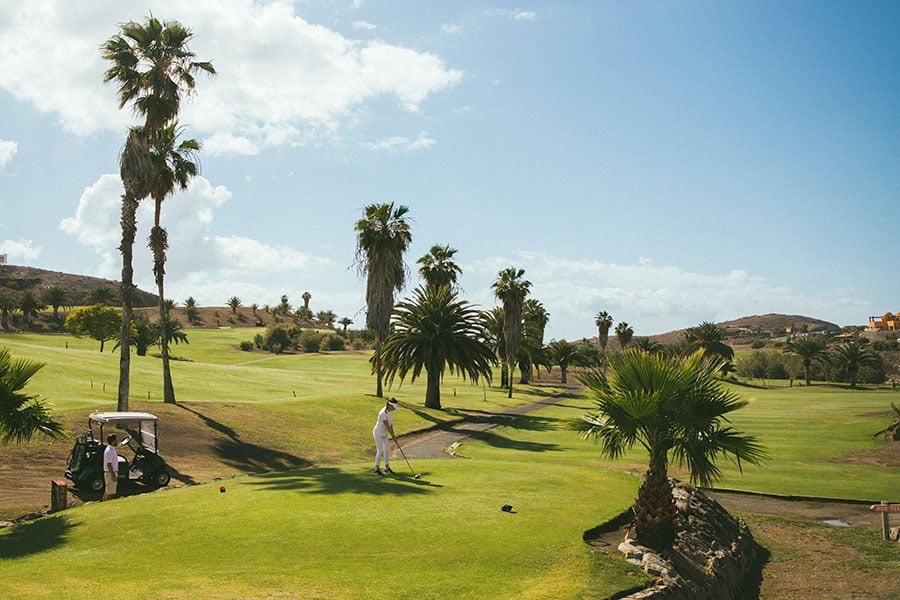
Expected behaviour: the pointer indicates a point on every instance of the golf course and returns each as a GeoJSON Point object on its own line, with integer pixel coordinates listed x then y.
{"type": "Point", "coordinates": [301, 510]}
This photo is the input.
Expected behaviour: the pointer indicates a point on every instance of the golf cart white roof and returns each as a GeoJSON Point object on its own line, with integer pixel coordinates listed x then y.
{"type": "Point", "coordinates": [117, 417]}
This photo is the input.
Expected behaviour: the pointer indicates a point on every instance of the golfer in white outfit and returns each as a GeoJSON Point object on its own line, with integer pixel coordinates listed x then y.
{"type": "Point", "coordinates": [384, 427]}
{"type": "Point", "coordinates": [110, 468]}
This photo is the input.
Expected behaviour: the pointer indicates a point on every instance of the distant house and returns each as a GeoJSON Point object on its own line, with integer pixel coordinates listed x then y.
{"type": "Point", "coordinates": [886, 322]}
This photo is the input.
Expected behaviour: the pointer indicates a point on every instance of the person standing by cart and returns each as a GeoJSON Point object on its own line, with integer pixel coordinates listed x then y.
{"type": "Point", "coordinates": [110, 467]}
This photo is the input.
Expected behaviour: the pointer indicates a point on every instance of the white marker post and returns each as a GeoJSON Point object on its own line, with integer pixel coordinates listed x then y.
{"type": "Point", "coordinates": [885, 509]}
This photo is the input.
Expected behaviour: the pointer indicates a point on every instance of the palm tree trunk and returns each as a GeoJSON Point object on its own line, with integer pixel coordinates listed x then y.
{"type": "Point", "coordinates": [433, 388]}
{"type": "Point", "coordinates": [509, 379]}
{"type": "Point", "coordinates": [159, 244]}
{"type": "Point", "coordinates": [806, 372]}
{"type": "Point", "coordinates": [379, 392]}
{"type": "Point", "coordinates": [504, 374]}
{"type": "Point", "coordinates": [563, 371]}
{"type": "Point", "coordinates": [654, 511]}
{"type": "Point", "coordinates": [525, 370]}
{"type": "Point", "coordinates": [129, 229]}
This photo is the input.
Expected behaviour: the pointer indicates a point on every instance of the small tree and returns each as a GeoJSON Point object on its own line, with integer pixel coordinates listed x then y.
{"type": "Point", "coordinates": [345, 322]}
{"type": "Point", "coordinates": [284, 306]}
{"type": "Point", "coordinates": [29, 305]}
{"type": "Point", "coordinates": [8, 303]}
{"type": "Point", "coordinates": [253, 308]}
{"type": "Point", "coordinates": [565, 354]}
{"type": "Point", "coordinates": [326, 317]}
{"type": "Point", "coordinates": [99, 322]}
{"type": "Point", "coordinates": [851, 357]}
{"type": "Point", "coordinates": [102, 295]}
{"type": "Point", "coordinates": [22, 415]}
{"type": "Point", "coordinates": [810, 351]}
{"type": "Point", "coordinates": [624, 333]}
{"type": "Point", "coordinates": [55, 296]}
{"type": "Point", "coordinates": [234, 303]}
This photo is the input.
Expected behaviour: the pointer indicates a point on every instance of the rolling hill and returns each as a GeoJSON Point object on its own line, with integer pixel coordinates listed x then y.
{"type": "Point", "coordinates": [16, 279]}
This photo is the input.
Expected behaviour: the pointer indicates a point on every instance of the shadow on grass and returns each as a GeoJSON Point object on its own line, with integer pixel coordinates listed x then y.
{"type": "Point", "coordinates": [246, 456]}
{"type": "Point", "coordinates": [34, 537]}
{"type": "Point", "coordinates": [499, 441]}
{"type": "Point", "coordinates": [331, 480]}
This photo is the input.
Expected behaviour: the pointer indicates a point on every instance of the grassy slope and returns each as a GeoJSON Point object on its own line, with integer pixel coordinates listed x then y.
{"type": "Point", "coordinates": [338, 532]}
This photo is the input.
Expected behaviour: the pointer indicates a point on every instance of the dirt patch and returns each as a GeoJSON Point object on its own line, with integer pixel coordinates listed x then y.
{"type": "Point", "coordinates": [853, 513]}
{"type": "Point", "coordinates": [886, 456]}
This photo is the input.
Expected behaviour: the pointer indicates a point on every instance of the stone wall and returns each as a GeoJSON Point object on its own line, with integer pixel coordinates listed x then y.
{"type": "Point", "coordinates": [714, 556]}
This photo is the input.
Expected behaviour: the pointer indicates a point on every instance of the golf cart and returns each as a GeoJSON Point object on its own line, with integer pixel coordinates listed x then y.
{"type": "Point", "coordinates": [136, 430]}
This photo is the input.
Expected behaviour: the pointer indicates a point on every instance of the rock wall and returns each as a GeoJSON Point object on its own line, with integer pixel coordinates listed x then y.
{"type": "Point", "coordinates": [714, 556]}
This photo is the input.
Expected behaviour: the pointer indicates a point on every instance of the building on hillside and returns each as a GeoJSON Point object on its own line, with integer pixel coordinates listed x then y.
{"type": "Point", "coordinates": [886, 322]}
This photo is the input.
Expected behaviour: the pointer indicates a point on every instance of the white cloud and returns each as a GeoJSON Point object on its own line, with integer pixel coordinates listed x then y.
{"type": "Point", "coordinates": [655, 298]}
{"type": "Point", "coordinates": [516, 15]}
{"type": "Point", "coordinates": [198, 256]}
{"type": "Point", "coordinates": [226, 143]}
{"type": "Point", "coordinates": [8, 150]}
{"type": "Point", "coordinates": [20, 250]}
{"type": "Point", "coordinates": [280, 78]}
{"type": "Point", "coordinates": [364, 25]}
{"type": "Point", "coordinates": [402, 144]}
{"type": "Point", "coordinates": [358, 3]}
{"type": "Point", "coordinates": [451, 28]}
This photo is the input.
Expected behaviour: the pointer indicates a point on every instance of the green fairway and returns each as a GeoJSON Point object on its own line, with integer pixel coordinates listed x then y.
{"type": "Point", "coordinates": [337, 532]}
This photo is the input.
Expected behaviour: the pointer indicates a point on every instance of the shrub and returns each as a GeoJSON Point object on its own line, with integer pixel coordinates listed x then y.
{"type": "Point", "coordinates": [757, 344]}
{"type": "Point", "coordinates": [332, 342]}
{"type": "Point", "coordinates": [358, 344]}
{"type": "Point", "coordinates": [259, 340]}
{"type": "Point", "coordinates": [277, 336]}
{"type": "Point", "coordinates": [310, 341]}
{"type": "Point", "coordinates": [247, 346]}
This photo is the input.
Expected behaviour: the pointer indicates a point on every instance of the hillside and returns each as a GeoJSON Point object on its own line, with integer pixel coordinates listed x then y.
{"type": "Point", "coordinates": [753, 326]}
{"type": "Point", "coordinates": [17, 279]}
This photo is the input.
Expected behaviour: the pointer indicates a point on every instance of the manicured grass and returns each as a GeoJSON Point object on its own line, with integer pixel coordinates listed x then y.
{"type": "Point", "coordinates": [338, 532]}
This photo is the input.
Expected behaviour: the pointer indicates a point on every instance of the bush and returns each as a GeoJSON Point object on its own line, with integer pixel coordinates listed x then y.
{"type": "Point", "coordinates": [310, 341]}
{"type": "Point", "coordinates": [277, 338]}
{"type": "Point", "coordinates": [259, 340]}
{"type": "Point", "coordinates": [332, 342]}
{"type": "Point", "coordinates": [247, 346]}
{"type": "Point", "coordinates": [358, 344]}
{"type": "Point", "coordinates": [757, 344]}
{"type": "Point", "coordinates": [769, 365]}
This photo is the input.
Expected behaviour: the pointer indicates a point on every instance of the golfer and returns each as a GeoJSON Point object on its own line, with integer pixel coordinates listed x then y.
{"type": "Point", "coordinates": [384, 427]}
{"type": "Point", "coordinates": [110, 467]}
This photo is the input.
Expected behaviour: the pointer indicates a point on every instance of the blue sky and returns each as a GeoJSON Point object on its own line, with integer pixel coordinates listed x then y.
{"type": "Point", "coordinates": [668, 163]}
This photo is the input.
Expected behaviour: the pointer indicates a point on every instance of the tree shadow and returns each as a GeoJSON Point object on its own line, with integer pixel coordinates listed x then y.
{"type": "Point", "coordinates": [331, 480]}
{"type": "Point", "coordinates": [246, 456]}
{"type": "Point", "coordinates": [496, 440]}
{"type": "Point", "coordinates": [34, 537]}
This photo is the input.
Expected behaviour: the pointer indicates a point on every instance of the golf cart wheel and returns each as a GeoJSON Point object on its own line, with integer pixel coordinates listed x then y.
{"type": "Point", "coordinates": [97, 484]}
{"type": "Point", "coordinates": [163, 478]}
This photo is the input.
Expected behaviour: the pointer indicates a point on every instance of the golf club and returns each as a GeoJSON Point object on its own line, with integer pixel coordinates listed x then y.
{"type": "Point", "coordinates": [403, 454]}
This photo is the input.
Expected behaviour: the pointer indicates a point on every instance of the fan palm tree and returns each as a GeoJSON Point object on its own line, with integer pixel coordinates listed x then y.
{"type": "Point", "coordinates": [234, 303]}
{"type": "Point", "coordinates": [711, 338]}
{"type": "Point", "coordinates": [850, 357]}
{"type": "Point", "coordinates": [672, 407]}
{"type": "Point", "coordinates": [511, 290]}
{"type": "Point", "coordinates": [345, 322]}
{"type": "Point", "coordinates": [143, 335]}
{"type": "Point", "coordinates": [564, 354]}
{"type": "Point", "coordinates": [645, 344]}
{"type": "Point", "coordinates": [22, 415]}
{"type": "Point", "coordinates": [604, 321]}
{"type": "Point", "coordinates": [174, 165]}
{"type": "Point", "coordinates": [29, 304]}
{"type": "Point", "coordinates": [624, 333]}
{"type": "Point", "coordinates": [492, 321]}
{"type": "Point", "coordinates": [436, 332]}
{"type": "Point", "coordinates": [55, 296]}
{"type": "Point", "coordinates": [153, 68]}
{"type": "Point", "coordinates": [810, 350]}
{"type": "Point", "coordinates": [438, 267]}
{"type": "Point", "coordinates": [382, 237]}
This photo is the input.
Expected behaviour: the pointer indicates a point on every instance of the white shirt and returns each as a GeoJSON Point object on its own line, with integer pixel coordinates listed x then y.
{"type": "Point", "coordinates": [383, 416]}
{"type": "Point", "coordinates": [110, 460]}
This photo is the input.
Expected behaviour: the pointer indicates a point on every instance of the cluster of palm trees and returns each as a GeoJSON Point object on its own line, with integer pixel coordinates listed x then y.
{"type": "Point", "coordinates": [434, 330]}
{"type": "Point", "coordinates": [847, 359]}
{"type": "Point", "coordinates": [154, 69]}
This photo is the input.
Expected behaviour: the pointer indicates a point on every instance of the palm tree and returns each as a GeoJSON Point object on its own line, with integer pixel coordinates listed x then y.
{"type": "Point", "coordinates": [438, 267]}
{"type": "Point", "coordinates": [382, 237]}
{"type": "Point", "coordinates": [173, 166]}
{"type": "Point", "coordinates": [645, 344]}
{"type": "Point", "coordinates": [153, 68]}
{"type": "Point", "coordinates": [345, 322]}
{"type": "Point", "coordinates": [850, 357]}
{"type": "Point", "coordinates": [306, 298]}
{"type": "Point", "coordinates": [670, 406]}
{"type": "Point", "coordinates": [810, 350]}
{"type": "Point", "coordinates": [8, 303]}
{"type": "Point", "coordinates": [285, 305]}
{"type": "Point", "coordinates": [435, 331]}
{"type": "Point", "coordinates": [55, 296]}
{"type": "Point", "coordinates": [564, 354]}
{"type": "Point", "coordinates": [492, 321]}
{"type": "Point", "coordinates": [254, 308]}
{"type": "Point", "coordinates": [604, 321]}
{"type": "Point", "coordinates": [29, 305]}
{"type": "Point", "coordinates": [711, 338]}
{"type": "Point", "coordinates": [192, 310]}
{"type": "Point", "coordinates": [102, 295]}
{"type": "Point", "coordinates": [624, 333]}
{"type": "Point", "coordinates": [22, 415]}
{"type": "Point", "coordinates": [143, 335]}
{"type": "Point", "coordinates": [234, 303]}
{"type": "Point", "coordinates": [511, 290]}
{"type": "Point", "coordinates": [535, 318]}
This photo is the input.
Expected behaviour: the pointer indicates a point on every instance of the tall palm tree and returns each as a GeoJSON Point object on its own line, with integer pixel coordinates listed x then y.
{"type": "Point", "coordinates": [492, 320]}
{"type": "Point", "coordinates": [174, 165]}
{"type": "Point", "coordinates": [670, 406]}
{"type": "Point", "coordinates": [55, 296]}
{"type": "Point", "coordinates": [810, 350]}
{"type": "Point", "coordinates": [604, 321]}
{"type": "Point", "coordinates": [711, 338]}
{"type": "Point", "coordinates": [22, 415]}
{"type": "Point", "coordinates": [438, 267]}
{"type": "Point", "coordinates": [234, 303]}
{"type": "Point", "coordinates": [624, 333]}
{"type": "Point", "coordinates": [534, 318]}
{"type": "Point", "coordinates": [153, 68]}
{"type": "Point", "coordinates": [511, 290]}
{"type": "Point", "coordinates": [306, 298]}
{"type": "Point", "coordinates": [850, 357]}
{"type": "Point", "coordinates": [382, 237]}
{"type": "Point", "coordinates": [436, 332]}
